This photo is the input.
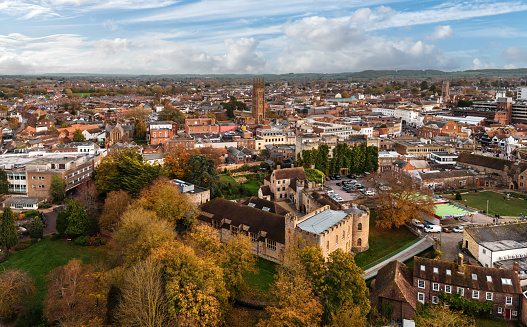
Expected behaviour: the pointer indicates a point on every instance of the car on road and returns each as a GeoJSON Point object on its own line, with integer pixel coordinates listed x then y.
{"type": "Point", "coordinates": [458, 229]}
{"type": "Point", "coordinates": [447, 229]}
{"type": "Point", "coordinates": [432, 229]}
{"type": "Point", "coordinates": [332, 178]}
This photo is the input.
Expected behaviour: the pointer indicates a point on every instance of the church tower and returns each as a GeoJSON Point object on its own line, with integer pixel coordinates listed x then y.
{"type": "Point", "coordinates": [445, 91]}
{"type": "Point", "coordinates": [258, 109]}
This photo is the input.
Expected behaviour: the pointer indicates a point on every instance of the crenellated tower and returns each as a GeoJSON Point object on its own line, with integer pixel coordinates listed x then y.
{"type": "Point", "coordinates": [258, 109]}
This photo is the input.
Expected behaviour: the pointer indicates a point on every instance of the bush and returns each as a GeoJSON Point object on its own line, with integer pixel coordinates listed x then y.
{"type": "Point", "coordinates": [31, 213]}
{"type": "Point", "coordinates": [55, 237]}
{"type": "Point", "coordinates": [36, 228]}
{"type": "Point", "coordinates": [45, 205]}
{"type": "Point", "coordinates": [89, 241]}
{"type": "Point", "coordinates": [32, 317]}
{"type": "Point", "coordinates": [458, 195]}
{"type": "Point", "coordinates": [81, 240]}
{"type": "Point", "coordinates": [22, 246]}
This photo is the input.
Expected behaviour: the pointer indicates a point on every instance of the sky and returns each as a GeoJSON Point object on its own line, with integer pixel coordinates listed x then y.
{"type": "Point", "coordinates": [255, 37]}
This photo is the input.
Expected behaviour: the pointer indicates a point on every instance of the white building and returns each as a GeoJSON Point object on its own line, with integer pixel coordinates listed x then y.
{"type": "Point", "coordinates": [521, 93]}
{"type": "Point", "coordinates": [411, 117]}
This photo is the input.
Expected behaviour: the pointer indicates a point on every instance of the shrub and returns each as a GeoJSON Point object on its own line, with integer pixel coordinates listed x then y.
{"type": "Point", "coordinates": [55, 237]}
{"type": "Point", "coordinates": [32, 316]}
{"type": "Point", "coordinates": [36, 228]}
{"type": "Point", "coordinates": [31, 213]}
{"type": "Point", "coordinates": [458, 196]}
{"type": "Point", "coordinates": [22, 246]}
{"type": "Point", "coordinates": [44, 205]}
{"type": "Point", "coordinates": [81, 240]}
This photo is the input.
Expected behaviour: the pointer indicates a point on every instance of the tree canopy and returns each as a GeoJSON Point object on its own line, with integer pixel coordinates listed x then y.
{"type": "Point", "coordinates": [78, 136]}
{"type": "Point", "coordinates": [57, 189]}
{"type": "Point", "coordinates": [4, 183]}
{"type": "Point", "coordinates": [8, 235]}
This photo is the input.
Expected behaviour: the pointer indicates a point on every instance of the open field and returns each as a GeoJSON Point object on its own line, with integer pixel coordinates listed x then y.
{"type": "Point", "coordinates": [498, 203]}
{"type": "Point", "coordinates": [260, 281]}
{"type": "Point", "coordinates": [42, 257]}
{"type": "Point", "coordinates": [383, 242]}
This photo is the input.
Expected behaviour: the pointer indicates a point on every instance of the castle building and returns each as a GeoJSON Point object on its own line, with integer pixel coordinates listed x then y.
{"type": "Point", "coordinates": [258, 109]}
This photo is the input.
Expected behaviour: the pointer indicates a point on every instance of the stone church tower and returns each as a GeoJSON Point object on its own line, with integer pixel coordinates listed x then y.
{"type": "Point", "coordinates": [258, 109]}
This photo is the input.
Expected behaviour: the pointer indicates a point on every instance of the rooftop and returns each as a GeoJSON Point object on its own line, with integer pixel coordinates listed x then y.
{"type": "Point", "coordinates": [322, 221]}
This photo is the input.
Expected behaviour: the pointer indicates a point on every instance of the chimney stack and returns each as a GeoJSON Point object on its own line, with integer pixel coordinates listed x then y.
{"type": "Point", "coordinates": [516, 267]}
{"type": "Point", "coordinates": [461, 267]}
{"type": "Point", "coordinates": [278, 167]}
{"type": "Point", "coordinates": [292, 165]}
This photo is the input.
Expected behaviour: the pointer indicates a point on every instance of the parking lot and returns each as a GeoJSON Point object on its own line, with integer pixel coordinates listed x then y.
{"type": "Point", "coordinates": [354, 194]}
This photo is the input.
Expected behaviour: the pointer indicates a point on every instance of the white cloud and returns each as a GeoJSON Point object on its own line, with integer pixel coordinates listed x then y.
{"type": "Point", "coordinates": [515, 55]}
{"type": "Point", "coordinates": [483, 64]}
{"type": "Point", "coordinates": [441, 32]}
{"type": "Point", "coordinates": [242, 57]}
{"type": "Point", "coordinates": [110, 24]}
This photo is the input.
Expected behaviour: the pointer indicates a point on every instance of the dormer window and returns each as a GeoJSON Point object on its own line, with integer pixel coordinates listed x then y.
{"type": "Point", "coordinates": [489, 279]}
{"type": "Point", "coordinates": [449, 272]}
{"type": "Point", "coordinates": [474, 277]}
{"type": "Point", "coordinates": [436, 270]}
{"type": "Point", "coordinates": [423, 268]}
{"type": "Point", "coordinates": [506, 281]}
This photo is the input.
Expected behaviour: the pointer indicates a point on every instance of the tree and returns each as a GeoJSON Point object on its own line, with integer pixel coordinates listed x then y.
{"type": "Point", "coordinates": [138, 113]}
{"type": "Point", "coordinates": [88, 197]}
{"type": "Point", "coordinates": [203, 173]}
{"type": "Point", "coordinates": [4, 184]}
{"type": "Point", "coordinates": [73, 220]}
{"type": "Point", "coordinates": [345, 94]}
{"type": "Point", "coordinates": [176, 162]}
{"type": "Point", "coordinates": [36, 228]}
{"type": "Point", "coordinates": [143, 301]}
{"type": "Point", "coordinates": [8, 235]}
{"type": "Point", "coordinates": [115, 205]}
{"type": "Point", "coordinates": [170, 113]}
{"type": "Point", "coordinates": [464, 103]}
{"type": "Point", "coordinates": [401, 203]}
{"type": "Point", "coordinates": [16, 287]}
{"type": "Point", "coordinates": [57, 189]}
{"type": "Point", "coordinates": [140, 129]}
{"type": "Point", "coordinates": [168, 203]}
{"type": "Point", "coordinates": [78, 136]}
{"type": "Point", "coordinates": [194, 286]}
{"type": "Point", "coordinates": [295, 302]}
{"type": "Point", "coordinates": [62, 222]}
{"type": "Point", "coordinates": [138, 232]}
{"type": "Point", "coordinates": [74, 295]}
{"type": "Point", "coordinates": [439, 316]}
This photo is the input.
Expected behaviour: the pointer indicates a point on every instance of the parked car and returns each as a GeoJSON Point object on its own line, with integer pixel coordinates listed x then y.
{"type": "Point", "coordinates": [369, 193]}
{"type": "Point", "coordinates": [327, 178]}
{"type": "Point", "coordinates": [433, 229]}
{"type": "Point", "coordinates": [447, 229]}
{"type": "Point", "coordinates": [338, 184]}
{"type": "Point", "coordinates": [417, 223]}
{"type": "Point", "coordinates": [337, 177]}
{"type": "Point", "coordinates": [426, 223]}
{"type": "Point", "coordinates": [458, 229]}
{"type": "Point", "coordinates": [332, 178]}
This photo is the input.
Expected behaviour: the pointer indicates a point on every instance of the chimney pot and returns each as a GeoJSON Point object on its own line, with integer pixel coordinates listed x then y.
{"type": "Point", "coordinates": [516, 267]}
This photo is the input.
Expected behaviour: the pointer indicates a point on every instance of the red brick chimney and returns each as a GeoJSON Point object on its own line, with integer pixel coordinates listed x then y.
{"type": "Point", "coordinates": [461, 266]}
{"type": "Point", "coordinates": [516, 267]}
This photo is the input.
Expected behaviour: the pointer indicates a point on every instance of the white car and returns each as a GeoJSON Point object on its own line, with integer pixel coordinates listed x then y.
{"type": "Point", "coordinates": [458, 229]}
{"type": "Point", "coordinates": [433, 229]}
{"type": "Point", "coordinates": [369, 193]}
{"type": "Point", "coordinates": [417, 223]}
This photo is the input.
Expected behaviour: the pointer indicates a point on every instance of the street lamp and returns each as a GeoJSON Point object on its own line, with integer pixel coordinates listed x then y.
{"type": "Point", "coordinates": [488, 207]}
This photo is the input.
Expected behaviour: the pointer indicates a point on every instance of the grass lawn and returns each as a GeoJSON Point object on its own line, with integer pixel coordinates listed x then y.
{"type": "Point", "coordinates": [253, 187]}
{"type": "Point", "coordinates": [42, 257]}
{"type": "Point", "coordinates": [497, 205]}
{"type": "Point", "coordinates": [260, 281]}
{"type": "Point", "coordinates": [383, 242]}
{"type": "Point", "coordinates": [494, 323]}
{"type": "Point", "coordinates": [227, 179]}
{"type": "Point", "coordinates": [82, 94]}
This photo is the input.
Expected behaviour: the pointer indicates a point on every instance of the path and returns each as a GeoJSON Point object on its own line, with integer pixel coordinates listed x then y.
{"type": "Point", "coordinates": [404, 255]}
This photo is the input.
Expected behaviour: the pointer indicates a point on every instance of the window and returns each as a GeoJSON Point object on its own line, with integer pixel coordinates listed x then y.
{"type": "Point", "coordinates": [488, 296]}
{"type": "Point", "coordinates": [449, 272]}
{"type": "Point", "coordinates": [484, 251]}
{"type": "Point", "coordinates": [508, 300]}
{"type": "Point", "coordinates": [474, 277]}
{"type": "Point", "coordinates": [327, 245]}
{"type": "Point", "coordinates": [343, 234]}
{"type": "Point", "coordinates": [475, 294]}
{"type": "Point", "coordinates": [461, 290]}
{"type": "Point", "coordinates": [421, 283]}
{"type": "Point", "coordinates": [271, 244]}
{"type": "Point", "coordinates": [234, 230]}
{"type": "Point", "coordinates": [359, 242]}
{"type": "Point", "coordinates": [359, 227]}
{"type": "Point", "coordinates": [421, 297]}
{"type": "Point", "coordinates": [435, 286]}
{"type": "Point", "coordinates": [506, 281]}
{"type": "Point", "coordinates": [514, 313]}
{"type": "Point", "coordinates": [435, 300]}
{"type": "Point", "coordinates": [32, 177]}
{"type": "Point", "coordinates": [253, 237]}
{"type": "Point", "coordinates": [216, 224]}
{"type": "Point", "coordinates": [436, 270]}
{"type": "Point", "coordinates": [500, 311]}
{"type": "Point", "coordinates": [423, 268]}
{"type": "Point", "coordinates": [448, 289]}
{"type": "Point", "coordinates": [41, 178]}
{"type": "Point", "coordinates": [489, 279]}
{"type": "Point", "coordinates": [336, 239]}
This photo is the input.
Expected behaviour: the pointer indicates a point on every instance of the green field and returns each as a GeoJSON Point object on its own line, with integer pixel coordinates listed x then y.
{"type": "Point", "coordinates": [227, 179]}
{"type": "Point", "coordinates": [260, 281]}
{"type": "Point", "coordinates": [42, 257]}
{"type": "Point", "coordinates": [383, 242]}
{"type": "Point", "coordinates": [498, 203]}
{"type": "Point", "coordinates": [82, 94]}
{"type": "Point", "coordinates": [253, 187]}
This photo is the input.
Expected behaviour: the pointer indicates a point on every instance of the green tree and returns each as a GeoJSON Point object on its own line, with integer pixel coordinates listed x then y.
{"type": "Point", "coordinates": [78, 136]}
{"type": "Point", "coordinates": [140, 129]}
{"type": "Point", "coordinates": [57, 189]}
{"type": "Point", "coordinates": [62, 222]}
{"type": "Point", "coordinates": [4, 184]}
{"type": "Point", "coordinates": [170, 113]}
{"type": "Point", "coordinates": [73, 220]}
{"type": "Point", "coordinates": [204, 174]}
{"type": "Point", "coordinates": [36, 228]}
{"type": "Point", "coordinates": [8, 235]}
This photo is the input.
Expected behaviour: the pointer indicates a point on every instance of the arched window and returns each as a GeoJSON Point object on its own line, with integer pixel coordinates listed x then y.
{"type": "Point", "coordinates": [359, 227]}
{"type": "Point", "coordinates": [359, 242]}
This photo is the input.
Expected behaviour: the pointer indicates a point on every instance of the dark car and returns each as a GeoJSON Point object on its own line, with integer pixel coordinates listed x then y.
{"type": "Point", "coordinates": [332, 178]}
{"type": "Point", "coordinates": [337, 177]}
{"type": "Point", "coordinates": [349, 176]}
{"type": "Point", "coordinates": [338, 184]}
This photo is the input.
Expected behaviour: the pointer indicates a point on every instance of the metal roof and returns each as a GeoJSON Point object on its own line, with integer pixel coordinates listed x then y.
{"type": "Point", "coordinates": [322, 221]}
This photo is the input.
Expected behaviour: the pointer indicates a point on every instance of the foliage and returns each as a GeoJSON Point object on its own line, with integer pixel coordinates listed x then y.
{"type": "Point", "coordinates": [138, 113]}
{"type": "Point", "coordinates": [439, 316]}
{"type": "Point", "coordinates": [471, 308]}
{"type": "Point", "coordinates": [169, 204]}
{"type": "Point", "coordinates": [78, 136]}
{"type": "Point", "coordinates": [143, 301]}
{"type": "Point", "coordinates": [170, 113]}
{"type": "Point", "coordinates": [62, 222]}
{"type": "Point", "coordinates": [88, 197]}
{"type": "Point", "coordinates": [89, 241]}
{"type": "Point", "coordinates": [31, 213]}
{"type": "Point", "coordinates": [233, 105]}
{"type": "Point", "coordinates": [115, 204]}
{"type": "Point", "coordinates": [295, 302]}
{"type": "Point", "coordinates": [464, 103]}
{"type": "Point", "coordinates": [16, 287]}
{"type": "Point", "coordinates": [4, 183]}
{"type": "Point", "coordinates": [138, 233]}
{"type": "Point", "coordinates": [57, 189]}
{"type": "Point", "coordinates": [8, 235]}
{"type": "Point", "coordinates": [203, 174]}
{"type": "Point", "coordinates": [140, 129]}
{"type": "Point", "coordinates": [113, 299]}
{"type": "Point", "coordinates": [74, 295]}
{"type": "Point", "coordinates": [458, 195]}
{"type": "Point", "coordinates": [33, 315]}
{"type": "Point", "coordinates": [126, 170]}
{"type": "Point", "coordinates": [45, 205]}
{"type": "Point", "coordinates": [74, 219]}
{"type": "Point", "coordinates": [194, 286]}
{"type": "Point", "coordinates": [315, 175]}
{"type": "Point", "coordinates": [401, 203]}
{"type": "Point", "coordinates": [176, 162]}
{"type": "Point", "coordinates": [36, 228]}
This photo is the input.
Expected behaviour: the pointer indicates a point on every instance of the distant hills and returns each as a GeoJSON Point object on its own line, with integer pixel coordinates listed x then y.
{"type": "Point", "coordinates": [364, 75]}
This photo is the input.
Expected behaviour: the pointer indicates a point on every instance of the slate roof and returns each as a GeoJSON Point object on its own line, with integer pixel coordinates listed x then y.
{"type": "Point", "coordinates": [323, 201]}
{"type": "Point", "coordinates": [260, 203]}
{"type": "Point", "coordinates": [266, 190]}
{"type": "Point", "coordinates": [488, 162]}
{"type": "Point", "coordinates": [436, 123]}
{"type": "Point", "coordinates": [394, 282]}
{"type": "Point", "coordinates": [445, 174]}
{"type": "Point", "coordinates": [290, 173]}
{"type": "Point", "coordinates": [513, 232]}
{"type": "Point", "coordinates": [465, 279]}
{"type": "Point", "coordinates": [322, 221]}
{"type": "Point", "coordinates": [257, 220]}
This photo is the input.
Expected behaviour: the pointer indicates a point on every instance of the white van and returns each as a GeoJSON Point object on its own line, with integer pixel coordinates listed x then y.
{"type": "Point", "coordinates": [432, 229]}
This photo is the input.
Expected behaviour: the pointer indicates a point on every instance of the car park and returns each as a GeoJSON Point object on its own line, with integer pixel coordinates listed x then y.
{"type": "Point", "coordinates": [458, 229]}
{"type": "Point", "coordinates": [426, 223]}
